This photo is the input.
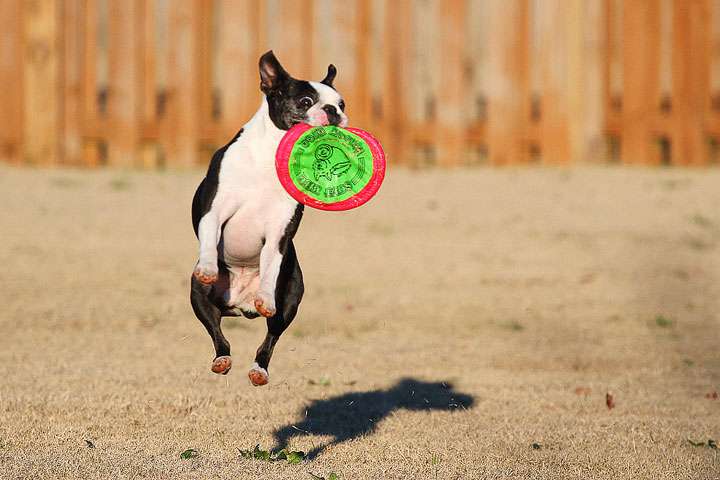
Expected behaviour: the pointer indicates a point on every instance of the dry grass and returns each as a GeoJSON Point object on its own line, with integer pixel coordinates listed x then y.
{"type": "Point", "coordinates": [514, 286]}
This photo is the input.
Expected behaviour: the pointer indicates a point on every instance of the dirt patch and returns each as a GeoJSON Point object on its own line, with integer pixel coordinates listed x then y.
{"type": "Point", "coordinates": [461, 325]}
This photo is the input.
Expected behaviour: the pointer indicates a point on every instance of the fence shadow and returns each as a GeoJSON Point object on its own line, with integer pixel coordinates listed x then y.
{"type": "Point", "coordinates": [349, 416]}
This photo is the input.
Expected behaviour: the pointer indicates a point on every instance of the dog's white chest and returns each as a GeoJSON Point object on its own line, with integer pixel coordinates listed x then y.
{"type": "Point", "coordinates": [260, 207]}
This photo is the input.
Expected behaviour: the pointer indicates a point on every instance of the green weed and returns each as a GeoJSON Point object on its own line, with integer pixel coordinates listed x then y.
{"type": "Point", "coordinates": [710, 443]}
{"type": "Point", "coordinates": [120, 184]}
{"type": "Point", "coordinates": [381, 229]}
{"type": "Point", "coordinates": [189, 453]}
{"type": "Point", "coordinates": [64, 182]}
{"type": "Point", "coordinates": [291, 457]}
{"type": "Point", "coordinates": [234, 323]}
{"type": "Point", "coordinates": [702, 221]}
{"type": "Point", "coordinates": [513, 326]}
{"type": "Point", "coordinates": [323, 382]}
{"type": "Point", "coordinates": [318, 477]}
{"type": "Point", "coordinates": [698, 243]}
{"type": "Point", "coordinates": [674, 184]}
{"type": "Point", "coordinates": [664, 322]}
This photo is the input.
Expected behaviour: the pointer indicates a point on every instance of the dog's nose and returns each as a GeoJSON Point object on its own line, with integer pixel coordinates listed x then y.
{"type": "Point", "coordinates": [333, 117]}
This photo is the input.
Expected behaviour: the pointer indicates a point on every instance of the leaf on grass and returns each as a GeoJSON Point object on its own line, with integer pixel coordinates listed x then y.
{"type": "Point", "coordinates": [582, 390]}
{"type": "Point", "coordinates": [262, 454]}
{"type": "Point", "coordinates": [713, 395]}
{"type": "Point", "coordinates": [189, 453]}
{"type": "Point", "coordinates": [710, 443]}
{"type": "Point", "coordinates": [291, 457]}
{"type": "Point", "coordinates": [609, 400]}
{"type": "Point", "coordinates": [295, 457]}
{"type": "Point", "coordinates": [332, 476]}
{"type": "Point", "coordinates": [89, 444]}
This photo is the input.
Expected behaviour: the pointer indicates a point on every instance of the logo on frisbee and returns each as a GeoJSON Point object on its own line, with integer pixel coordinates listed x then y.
{"type": "Point", "coordinates": [330, 161]}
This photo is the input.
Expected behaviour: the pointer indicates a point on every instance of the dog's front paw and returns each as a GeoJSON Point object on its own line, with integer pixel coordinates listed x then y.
{"type": "Point", "coordinates": [206, 272]}
{"type": "Point", "coordinates": [265, 305]}
{"type": "Point", "coordinates": [258, 376]}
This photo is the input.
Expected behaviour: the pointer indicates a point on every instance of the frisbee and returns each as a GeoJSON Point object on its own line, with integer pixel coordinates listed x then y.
{"type": "Point", "coordinates": [329, 167]}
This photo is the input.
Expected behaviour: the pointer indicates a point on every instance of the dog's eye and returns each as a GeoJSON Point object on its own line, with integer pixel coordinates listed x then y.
{"type": "Point", "coordinates": [305, 102]}
{"type": "Point", "coordinates": [341, 105]}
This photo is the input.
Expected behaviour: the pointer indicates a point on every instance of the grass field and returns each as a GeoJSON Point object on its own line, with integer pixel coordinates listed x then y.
{"type": "Point", "coordinates": [462, 325]}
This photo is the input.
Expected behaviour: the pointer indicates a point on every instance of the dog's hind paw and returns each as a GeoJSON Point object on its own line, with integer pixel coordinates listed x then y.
{"type": "Point", "coordinates": [258, 376]}
{"type": "Point", "coordinates": [222, 364]}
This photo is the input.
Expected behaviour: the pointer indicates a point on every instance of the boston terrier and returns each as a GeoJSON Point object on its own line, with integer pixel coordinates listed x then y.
{"type": "Point", "coordinates": [245, 220]}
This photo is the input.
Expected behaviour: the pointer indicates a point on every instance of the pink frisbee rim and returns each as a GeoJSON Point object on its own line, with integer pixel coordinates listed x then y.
{"type": "Point", "coordinates": [282, 166]}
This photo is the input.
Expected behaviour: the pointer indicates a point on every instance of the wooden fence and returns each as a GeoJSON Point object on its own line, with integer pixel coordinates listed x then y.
{"type": "Point", "coordinates": [163, 82]}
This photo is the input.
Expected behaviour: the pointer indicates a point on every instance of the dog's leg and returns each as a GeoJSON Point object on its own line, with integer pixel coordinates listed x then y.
{"type": "Point", "coordinates": [273, 258]}
{"type": "Point", "coordinates": [209, 231]}
{"type": "Point", "coordinates": [270, 261]}
{"type": "Point", "coordinates": [210, 315]}
{"type": "Point", "coordinates": [289, 290]}
{"type": "Point", "coordinates": [206, 270]}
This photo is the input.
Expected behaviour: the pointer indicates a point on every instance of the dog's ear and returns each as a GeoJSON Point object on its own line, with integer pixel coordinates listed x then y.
{"type": "Point", "coordinates": [328, 80]}
{"type": "Point", "coordinates": [272, 74]}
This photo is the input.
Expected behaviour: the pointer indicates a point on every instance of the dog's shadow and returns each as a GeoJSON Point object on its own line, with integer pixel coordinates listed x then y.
{"type": "Point", "coordinates": [349, 416]}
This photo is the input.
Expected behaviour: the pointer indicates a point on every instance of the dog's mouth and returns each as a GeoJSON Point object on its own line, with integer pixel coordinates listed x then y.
{"type": "Point", "coordinates": [320, 118]}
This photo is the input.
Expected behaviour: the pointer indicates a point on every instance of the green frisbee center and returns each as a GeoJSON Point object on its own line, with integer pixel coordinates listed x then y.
{"type": "Point", "coordinates": [330, 164]}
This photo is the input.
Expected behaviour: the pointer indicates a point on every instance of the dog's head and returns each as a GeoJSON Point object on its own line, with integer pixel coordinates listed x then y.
{"type": "Point", "coordinates": [293, 101]}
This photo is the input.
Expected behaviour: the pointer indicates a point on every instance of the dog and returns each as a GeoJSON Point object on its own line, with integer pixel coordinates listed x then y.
{"type": "Point", "coordinates": [245, 221]}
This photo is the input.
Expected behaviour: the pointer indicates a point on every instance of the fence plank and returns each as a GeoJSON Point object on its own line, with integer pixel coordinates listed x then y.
{"type": "Point", "coordinates": [91, 149]}
{"type": "Point", "coordinates": [507, 47]}
{"type": "Point", "coordinates": [361, 91]}
{"type": "Point", "coordinates": [395, 130]}
{"type": "Point", "coordinates": [290, 35]}
{"type": "Point", "coordinates": [425, 60]}
{"type": "Point", "coordinates": [553, 22]}
{"type": "Point", "coordinates": [123, 86]}
{"type": "Point", "coordinates": [691, 79]}
{"type": "Point", "coordinates": [237, 68]}
{"type": "Point", "coordinates": [147, 151]}
{"type": "Point", "coordinates": [587, 67]}
{"type": "Point", "coordinates": [181, 128]}
{"type": "Point", "coordinates": [146, 69]}
{"type": "Point", "coordinates": [73, 47]}
{"type": "Point", "coordinates": [641, 86]}
{"type": "Point", "coordinates": [377, 64]}
{"type": "Point", "coordinates": [612, 82]}
{"type": "Point", "coordinates": [334, 31]}
{"type": "Point", "coordinates": [11, 108]}
{"type": "Point", "coordinates": [41, 98]}
{"type": "Point", "coordinates": [452, 111]}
